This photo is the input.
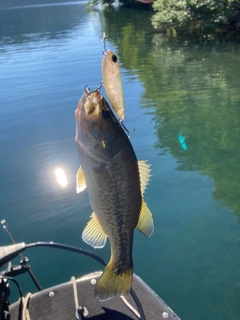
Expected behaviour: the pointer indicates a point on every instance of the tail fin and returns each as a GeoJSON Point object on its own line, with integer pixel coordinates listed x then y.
{"type": "Point", "coordinates": [112, 283]}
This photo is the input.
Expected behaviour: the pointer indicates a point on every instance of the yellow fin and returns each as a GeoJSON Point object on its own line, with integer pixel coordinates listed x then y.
{"type": "Point", "coordinates": [81, 180]}
{"type": "Point", "coordinates": [145, 221]}
{"type": "Point", "coordinates": [112, 283]}
{"type": "Point", "coordinates": [93, 233]}
{"type": "Point", "coordinates": [144, 171]}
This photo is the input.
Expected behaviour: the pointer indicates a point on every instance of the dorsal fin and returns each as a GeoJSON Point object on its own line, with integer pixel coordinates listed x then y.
{"type": "Point", "coordinates": [144, 171]}
{"type": "Point", "coordinates": [80, 180]}
{"type": "Point", "coordinates": [93, 233]}
{"type": "Point", "coordinates": [145, 221]}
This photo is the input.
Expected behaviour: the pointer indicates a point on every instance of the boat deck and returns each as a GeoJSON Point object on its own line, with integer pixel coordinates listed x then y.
{"type": "Point", "coordinates": [61, 301]}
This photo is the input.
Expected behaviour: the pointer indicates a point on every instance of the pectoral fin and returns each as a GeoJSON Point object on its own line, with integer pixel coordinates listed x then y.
{"type": "Point", "coordinates": [145, 221]}
{"type": "Point", "coordinates": [93, 234]}
{"type": "Point", "coordinates": [81, 181]}
{"type": "Point", "coordinates": [144, 171]}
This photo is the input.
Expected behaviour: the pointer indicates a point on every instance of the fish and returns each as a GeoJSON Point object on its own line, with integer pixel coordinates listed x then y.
{"type": "Point", "coordinates": [112, 80]}
{"type": "Point", "coordinates": [115, 181]}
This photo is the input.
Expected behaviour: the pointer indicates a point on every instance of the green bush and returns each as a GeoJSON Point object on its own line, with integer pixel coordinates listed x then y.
{"type": "Point", "coordinates": [207, 13]}
{"type": "Point", "coordinates": [175, 13]}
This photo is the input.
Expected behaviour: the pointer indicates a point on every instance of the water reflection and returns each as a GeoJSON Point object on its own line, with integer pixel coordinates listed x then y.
{"type": "Point", "coordinates": [61, 177]}
{"type": "Point", "coordinates": [26, 24]}
{"type": "Point", "coordinates": [192, 88]}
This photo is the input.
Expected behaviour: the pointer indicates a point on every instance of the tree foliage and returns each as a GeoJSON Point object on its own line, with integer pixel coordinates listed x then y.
{"type": "Point", "coordinates": [176, 13]}
{"type": "Point", "coordinates": [207, 13]}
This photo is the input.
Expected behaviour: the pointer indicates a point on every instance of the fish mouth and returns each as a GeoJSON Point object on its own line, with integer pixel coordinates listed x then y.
{"type": "Point", "coordinates": [91, 100]}
{"type": "Point", "coordinates": [88, 102]}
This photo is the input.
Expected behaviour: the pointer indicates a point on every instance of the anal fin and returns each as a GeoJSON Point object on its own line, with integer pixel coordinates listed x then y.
{"type": "Point", "coordinates": [93, 233]}
{"type": "Point", "coordinates": [145, 221]}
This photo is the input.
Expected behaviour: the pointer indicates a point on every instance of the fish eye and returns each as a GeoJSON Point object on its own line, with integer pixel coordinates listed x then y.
{"type": "Point", "coordinates": [114, 58]}
{"type": "Point", "coordinates": [106, 114]}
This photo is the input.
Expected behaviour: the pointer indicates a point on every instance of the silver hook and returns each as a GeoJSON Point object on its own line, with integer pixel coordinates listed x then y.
{"type": "Point", "coordinates": [124, 127]}
{"type": "Point", "coordinates": [87, 90]}
{"type": "Point", "coordinates": [98, 88]}
{"type": "Point", "coordinates": [101, 85]}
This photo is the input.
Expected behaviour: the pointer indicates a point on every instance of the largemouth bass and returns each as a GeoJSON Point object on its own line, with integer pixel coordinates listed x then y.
{"type": "Point", "coordinates": [115, 181]}
{"type": "Point", "coordinates": [113, 85]}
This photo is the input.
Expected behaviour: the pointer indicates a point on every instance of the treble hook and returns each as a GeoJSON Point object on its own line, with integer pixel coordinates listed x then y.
{"type": "Point", "coordinates": [104, 52]}
{"type": "Point", "coordinates": [87, 90]}
{"type": "Point", "coordinates": [101, 85]}
{"type": "Point", "coordinates": [99, 88]}
{"type": "Point", "coordinates": [126, 130]}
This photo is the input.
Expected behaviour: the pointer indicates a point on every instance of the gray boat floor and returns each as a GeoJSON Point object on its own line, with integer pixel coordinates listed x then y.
{"type": "Point", "coordinates": [59, 302]}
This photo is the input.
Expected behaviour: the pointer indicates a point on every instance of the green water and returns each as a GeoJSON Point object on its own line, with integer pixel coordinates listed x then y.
{"type": "Point", "coordinates": [182, 97]}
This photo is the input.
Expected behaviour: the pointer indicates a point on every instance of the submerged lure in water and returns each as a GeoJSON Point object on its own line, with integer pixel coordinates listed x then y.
{"type": "Point", "coordinates": [112, 79]}
{"type": "Point", "coordinates": [115, 181]}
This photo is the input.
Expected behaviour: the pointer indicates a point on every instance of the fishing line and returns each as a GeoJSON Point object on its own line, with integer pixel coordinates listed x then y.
{"type": "Point", "coordinates": [104, 52]}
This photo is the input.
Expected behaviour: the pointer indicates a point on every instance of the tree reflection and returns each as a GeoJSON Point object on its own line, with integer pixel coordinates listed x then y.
{"type": "Point", "coordinates": [193, 82]}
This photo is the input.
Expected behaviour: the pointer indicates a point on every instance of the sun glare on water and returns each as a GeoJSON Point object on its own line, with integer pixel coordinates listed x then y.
{"type": "Point", "coordinates": [61, 177]}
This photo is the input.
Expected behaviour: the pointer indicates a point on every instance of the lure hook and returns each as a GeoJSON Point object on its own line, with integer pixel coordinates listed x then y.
{"type": "Point", "coordinates": [125, 128]}
{"type": "Point", "coordinates": [87, 90]}
{"type": "Point", "coordinates": [99, 88]}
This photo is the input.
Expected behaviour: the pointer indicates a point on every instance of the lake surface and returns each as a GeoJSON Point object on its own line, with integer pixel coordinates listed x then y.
{"type": "Point", "coordinates": [182, 96]}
